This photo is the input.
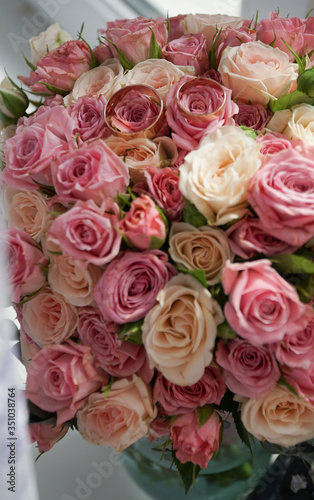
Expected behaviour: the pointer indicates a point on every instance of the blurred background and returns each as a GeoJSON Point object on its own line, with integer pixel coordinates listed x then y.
{"type": "Point", "coordinates": [67, 471]}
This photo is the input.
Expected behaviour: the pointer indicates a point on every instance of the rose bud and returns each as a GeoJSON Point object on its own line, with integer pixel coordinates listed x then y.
{"type": "Point", "coordinates": [13, 103]}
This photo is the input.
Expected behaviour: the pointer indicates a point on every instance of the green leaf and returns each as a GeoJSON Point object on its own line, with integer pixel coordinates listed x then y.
{"type": "Point", "coordinates": [213, 62]}
{"type": "Point", "coordinates": [54, 89]}
{"type": "Point", "coordinates": [306, 82]}
{"type": "Point", "coordinates": [126, 63]}
{"type": "Point", "coordinates": [29, 63]}
{"type": "Point", "coordinates": [54, 253]}
{"type": "Point", "coordinates": [241, 430]}
{"type": "Point", "coordinates": [227, 403]}
{"type": "Point", "coordinates": [283, 381]}
{"type": "Point", "coordinates": [203, 414]}
{"type": "Point", "coordinates": [306, 288]}
{"type": "Point", "coordinates": [192, 216]}
{"type": "Point", "coordinates": [293, 264]}
{"type": "Point", "coordinates": [217, 292]}
{"type": "Point", "coordinates": [249, 132]}
{"type": "Point", "coordinates": [132, 332]}
{"type": "Point", "coordinates": [123, 200]}
{"type": "Point", "coordinates": [199, 274]}
{"type": "Point", "coordinates": [289, 100]}
{"type": "Point", "coordinates": [154, 49]}
{"type": "Point", "coordinates": [224, 331]}
{"type": "Point", "coordinates": [188, 472]}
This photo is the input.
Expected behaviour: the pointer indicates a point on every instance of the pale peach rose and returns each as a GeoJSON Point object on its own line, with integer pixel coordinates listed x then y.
{"type": "Point", "coordinates": [102, 80]}
{"type": "Point", "coordinates": [28, 211]}
{"type": "Point", "coordinates": [208, 25]}
{"type": "Point", "coordinates": [280, 417]}
{"type": "Point", "coordinates": [301, 123]}
{"type": "Point", "coordinates": [48, 318]}
{"type": "Point", "coordinates": [158, 73]}
{"type": "Point", "coordinates": [140, 153]}
{"type": "Point", "coordinates": [256, 72]}
{"type": "Point", "coordinates": [47, 41]}
{"type": "Point", "coordinates": [120, 418]}
{"type": "Point", "coordinates": [205, 248]}
{"type": "Point", "coordinates": [179, 332]}
{"type": "Point", "coordinates": [69, 278]}
{"type": "Point", "coordinates": [215, 177]}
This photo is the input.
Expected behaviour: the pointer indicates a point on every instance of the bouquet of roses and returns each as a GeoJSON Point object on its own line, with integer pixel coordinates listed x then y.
{"type": "Point", "coordinates": [160, 212]}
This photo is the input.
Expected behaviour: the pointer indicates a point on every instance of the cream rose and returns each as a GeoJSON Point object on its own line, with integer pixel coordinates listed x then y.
{"type": "Point", "coordinates": [301, 124]}
{"type": "Point", "coordinates": [102, 80]}
{"type": "Point", "coordinates": [28, 211]}
{"type": "Point", "coordinates": [215, 176]}
{"type": "Point", "coordinates": [47, 41]}
{"type": "Point", "coordinates": [120, 418]}
{"type": "Point", "coordinates": [140, 153]}
{"type": "Point", "coordinates": [280, 417]}
{"type": "Point", "coordinates": [158, 73]}
{"type": "Point", "coordinates": [48, 318]}
{"type": "Point", "coordinates": [69, 278]}
{"type": "Point", "coordinates": [203, 248]}
{"type": "Point", "coordinates": [208, 25]}
{"type": "Point", "coordinates": [256, 72]}
{"type": "Point", "coordinates": [179, 332]}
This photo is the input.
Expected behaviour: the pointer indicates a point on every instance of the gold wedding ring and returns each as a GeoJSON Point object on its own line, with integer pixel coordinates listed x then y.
{"type": "Point", "coordinates": [193, 83]}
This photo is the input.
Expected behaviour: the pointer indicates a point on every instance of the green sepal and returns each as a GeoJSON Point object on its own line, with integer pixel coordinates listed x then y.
{"type": "Point", "coordinates": [108, 388]}
{"type": "Point", "coordinates": [275, 37]}
{"type": "Point", "coordinates": [168, 26]}
{"type": "Point", "coordinates": [308, 14]}
{"type": "Point", "coordinates": [94, 62]}
{"type": "Point", "coordinates": [283, 381]}
{"type": "Point", "coordinates": [131, 332]}
{"type": "Point", "coordinates": [301, 62]}
{"type": "Point", "coordinates": [126, 63]}
{"type": "Point", "coordinates": [16, 86]}
{"type": "Point", "coordinates": [213, 62]}
{"type": "Point", "coordinates": [55, 90]}
{"type": "Point", "coordinates": [154, 49]}
{"type": "Point", "coordinates": [292, 264]}
{"type": "Point", "coordinates": [188, 472]}
{"type": "Point", "coordinates": [224, 331]}
{"type": "Point", "coordinates": [155, 243]}
{"type": "Point", "coordinates": [29, 63]}
{"type": "Point", "coordinates": [199, 274]}
{"type": "Point", "coordinates": [13, 104]}
{"type": "Point", "coordinates": [203, 414]}
{"type": "Point", "coordinates": [288, 100]}
{"type": "Point", "coordinates": [191, 215]}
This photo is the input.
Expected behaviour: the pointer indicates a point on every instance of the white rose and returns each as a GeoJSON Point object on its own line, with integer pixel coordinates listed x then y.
{"type": "Point", "coordinates": [179, 333]}
{"type": "Point", "coordinates": [301, 124]}
{"type": "Point", "coordinates": [158, 73]}
{"type": "Point", "coordinates": [205, 248]}
{"type": "Point", "coordinates": [47, 41]}
{"type": "Point", "coordinates": [105, 80]}
{"type": "Point", "coordinates": [208, 25]}
{"type": "Point", "coordinates": [280, 417]}
{"type": "Point", "coordinates": [256, 72]}
{"type": "Point", "coordinates": [215, 176]}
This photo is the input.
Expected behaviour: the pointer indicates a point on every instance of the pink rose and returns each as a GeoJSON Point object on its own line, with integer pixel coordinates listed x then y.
{"type": "Point", "coordinates": [103, 52]}
{"type": "Point", "coordinates": [61, 377]}
{"type": "Point", "coordinates": [282, 195]}
{"type": "Point", "coordinates": [45, 435]}
{"type": "Point", "coordinates": [118, 358]}
{"type": "Point", "coordinates": [301, 379]}
{"type": "Point", "coordinates": [233, 37]}
{"type": "Point", "coordinates": [308, 36]}
{"type": "Point", "coordinates": [254, 116]}
{"type": "Point", "coordinates": [262, 307]}
{"type": "Point", "coordinates": [29, 152]}
{"type": "Point", "coordinates": [134, 112]}
{"type": "Point", "coordinates": [177, 400]}
{"type": "Point", "coordinates": [129, 286]}
{"type": "Point", "coordinates": [250, 371]}
{"type": "Point", "coordinates": [176, 27]}
{"type": "Point", "coordinates": [188, 50]}
{"type": "Point", "coordinates": [163, 185]}
{"type": "Point", "coordinates": [187, 116]}
{"type": "Point", "coordinates": [87, 232]}
{"type": "Point", "coordinates": [248, 237]}
{"type": "Point", "coordinates": [121, 418]}
{"type": "Point", "coordinates": [133, 36]}
{"type": "Point", "coordinates": [278, 30]}
{"type": "Point", "coordinates": [48, 318]}
{"type": "Point", "coordinates": [143, 225]}
{"type": "Point", "coordinates": [25, 263]}
{"type": "Point", "coordinates": [193, 443]}
{"type": "Point", "coordinates": [213, 74]}
{"type": "Point", "coordinates": [297, 349]}
{"type": "Point", "coordinates": [89, 116]}
{"type": "Point", "coordinates": [60, 68]}
{"type": "Point", "coordinates": [273, 142]}
{"type": "Point", "coordinates": [91, 172]}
